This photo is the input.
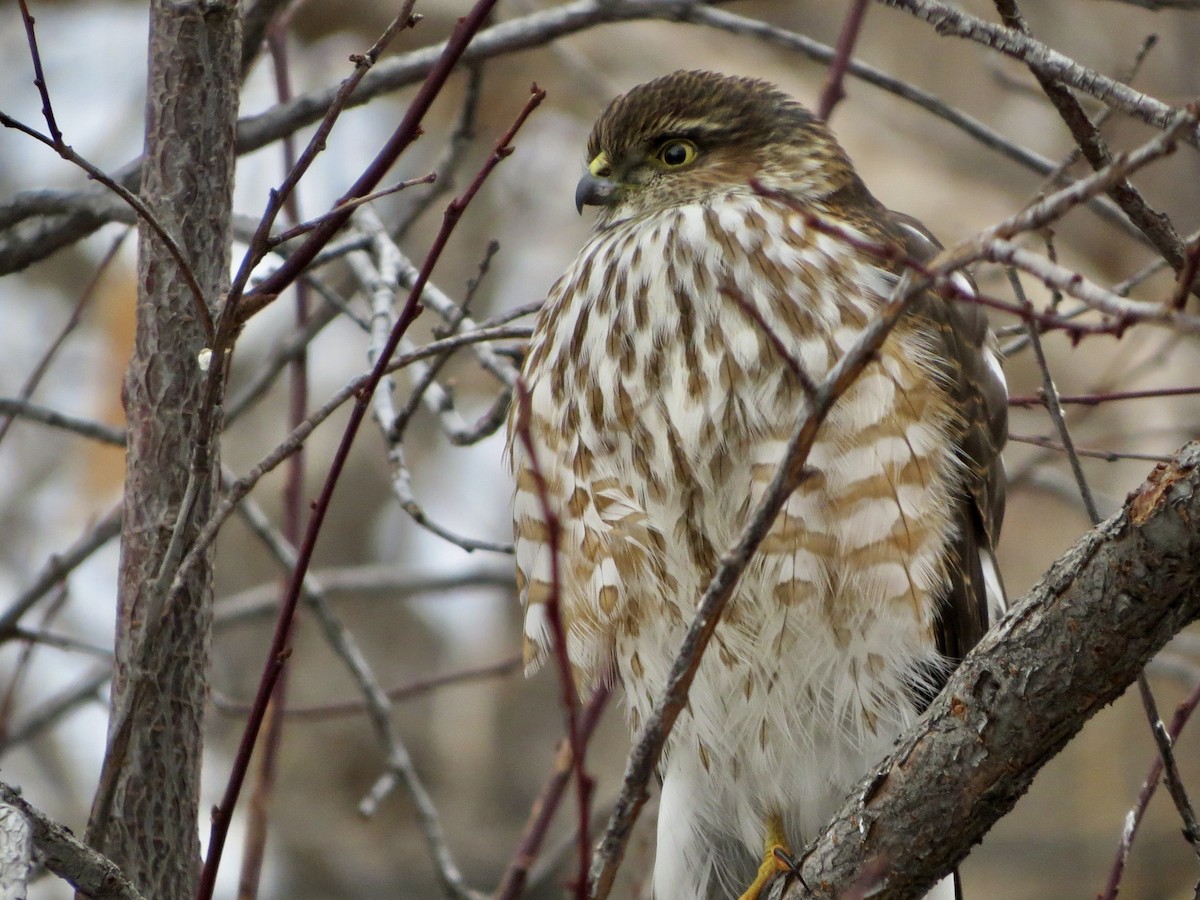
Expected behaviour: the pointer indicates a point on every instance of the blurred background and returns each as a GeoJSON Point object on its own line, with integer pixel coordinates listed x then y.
{"type": "Point", "coordinates": [423, 607]}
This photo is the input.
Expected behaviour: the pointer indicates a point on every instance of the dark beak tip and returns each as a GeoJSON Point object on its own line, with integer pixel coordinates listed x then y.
{"type": "Point", "coordinates": [583, 192]}
{"type": "Point", "coordinates": [593, 191]}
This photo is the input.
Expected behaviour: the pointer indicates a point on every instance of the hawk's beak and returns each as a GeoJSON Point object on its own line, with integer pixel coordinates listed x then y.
{"type": "Point", "coordinates": [594, 191]}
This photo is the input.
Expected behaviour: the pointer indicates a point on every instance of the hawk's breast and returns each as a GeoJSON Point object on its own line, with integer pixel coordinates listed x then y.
{"type": "Point", "coordinates": [663, 399]}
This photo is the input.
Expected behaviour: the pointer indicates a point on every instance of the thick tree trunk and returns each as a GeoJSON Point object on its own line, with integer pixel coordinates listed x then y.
{"type": "Point", "coordinates": [145, 816]}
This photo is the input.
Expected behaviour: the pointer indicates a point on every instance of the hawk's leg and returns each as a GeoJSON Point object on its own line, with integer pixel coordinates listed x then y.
{"type": "Point", "coordinates": [772, 863]}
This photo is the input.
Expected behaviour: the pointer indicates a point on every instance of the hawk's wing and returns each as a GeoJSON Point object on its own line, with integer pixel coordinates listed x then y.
{"type": "Point", "coordinates": [974, 594]}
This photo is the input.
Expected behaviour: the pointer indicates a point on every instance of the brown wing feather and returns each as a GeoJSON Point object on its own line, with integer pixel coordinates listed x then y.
{"type": "Point", "coordinates": [978, 390]}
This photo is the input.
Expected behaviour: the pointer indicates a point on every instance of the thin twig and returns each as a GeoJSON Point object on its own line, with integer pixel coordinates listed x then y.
{"type": "Point", "coordinates": [1039, 440]}
{"type": "Point", "coordinates": [59, 566]}
{"type": "Point", "coordinates": [644, 758]}
{"type": "Point", "coordinates": [1104, 396]}
{"type": "Point", "coordinates": [276, 656]}
{"type": "Point", "coordinates": [453, 157]}
{"type": "Point", "coordinates": [89, 291]}
{"type": "Point", "coordinates": [52, 711]}
{"type": "Point", "coordinates": [305, 227]}
{"type": "Point", "coordinates": [516, 876]}
{"type": "Point", "coordinates": [18, 408]}
{"type": "Point", "coordinates": [410, 691]}
{"type": "Point", "coordinates": [387, 581]}
{"type": "Point", "coordinates": [562, 649]}
{"type": "Point", "coordinates": [1054, 408]}
{"type": "Point", "coordinates": [25, 659]}
{"type": "Point", "coordinates": [834, 89]}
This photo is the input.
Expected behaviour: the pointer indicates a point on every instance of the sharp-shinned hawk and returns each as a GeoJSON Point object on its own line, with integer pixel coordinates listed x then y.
{"type": "Point", "coordinates": [659, 409]}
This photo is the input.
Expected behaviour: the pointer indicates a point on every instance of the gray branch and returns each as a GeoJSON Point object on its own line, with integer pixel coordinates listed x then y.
{"type": "Point", "coordinates": [89, 872]}
{"type": "Point", "coordinates": [1045, 61]}
{"type": "Point", "coordinates": [16, 853]}
{"type": "Point", "coordinates": [34, 224]}
{"type": "Point", "coordinates": [1071, 647]}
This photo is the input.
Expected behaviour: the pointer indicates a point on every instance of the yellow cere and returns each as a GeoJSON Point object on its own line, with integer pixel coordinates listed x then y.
{"type": "Point", "coordinates": [599, 167]}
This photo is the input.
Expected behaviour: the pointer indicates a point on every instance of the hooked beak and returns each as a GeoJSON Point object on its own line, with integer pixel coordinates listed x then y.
{"type": "Point", "coordinates": [594, 191]}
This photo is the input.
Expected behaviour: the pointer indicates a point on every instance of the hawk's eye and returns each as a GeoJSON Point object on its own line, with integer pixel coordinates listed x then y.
{"type": "Point", "coordinates": [676, 153]}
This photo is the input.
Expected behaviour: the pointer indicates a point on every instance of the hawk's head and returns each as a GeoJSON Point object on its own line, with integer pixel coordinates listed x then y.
{"type": "Point", "coordinates": [688, 135]}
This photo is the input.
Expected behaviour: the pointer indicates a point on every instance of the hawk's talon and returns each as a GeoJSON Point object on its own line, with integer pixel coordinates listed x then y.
{"type": "Point", "coordinates": [777, 859]}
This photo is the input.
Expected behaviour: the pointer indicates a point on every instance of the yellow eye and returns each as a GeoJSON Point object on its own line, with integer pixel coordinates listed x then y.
{"type": "Point", "coordinates": [676, 152]}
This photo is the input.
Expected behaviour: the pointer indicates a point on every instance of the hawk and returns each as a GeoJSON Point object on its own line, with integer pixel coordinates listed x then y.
{"type": "Point", "coordinates": [660, 404]}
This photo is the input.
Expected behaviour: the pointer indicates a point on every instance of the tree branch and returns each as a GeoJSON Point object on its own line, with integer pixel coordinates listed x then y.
{"type": "Point", "coordinates": [1071, 647]}
{"type": "Point", "coordinates": [1045, 61]}
{"type": "Point", "coordinates": [69, 858]}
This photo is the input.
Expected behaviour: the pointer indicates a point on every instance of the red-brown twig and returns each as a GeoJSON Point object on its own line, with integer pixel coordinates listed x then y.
{"type": "Point", "coordinates": [562, 654]}
{"type": "Point", "coordinates": [834, 89]}
{"type": "Point", "coordinates": [236, 310]}
{"type": "Point", "coordinates": [305, 227]}
{"type": "Point", "coordinates": [258, 806]}
{"type": "Point", "coordinates": [39, 77]}
{"type": "Point", "coordinates": [1134, 817]}
{"type": "Point", "coordinates": [56, 143]}
{"type": "Point", "coordinates": [278, 652]}
{"type": "Point", "coordinates": [534, 833]}
{"type": "Point", "coordinates": [1039, 399]}
{"type": "Point", "coordinates": [406, 132]}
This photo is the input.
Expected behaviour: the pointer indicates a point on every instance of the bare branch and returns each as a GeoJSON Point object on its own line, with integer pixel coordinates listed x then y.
{"type": "Point", "coordinates": [1076, 641]}
{"type": "Point", "coordinates": [1154, 225]}
{"type": "Point", "coordinates": [644, 758]}
{"type": "Point", "coordinates": [69, 858]}
{"type": "Point", "coordinates": [948, 20]}
{"type": "Point", "coordinates": [833, 91]}
{"type": "Point", "coordinates": [61, 565]}
{"type": "Point", "coordinates": [16, 408]}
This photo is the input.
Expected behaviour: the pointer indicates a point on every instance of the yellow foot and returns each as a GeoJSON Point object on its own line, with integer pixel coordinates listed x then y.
{"type": "Point", "coordinates": [771, 864]}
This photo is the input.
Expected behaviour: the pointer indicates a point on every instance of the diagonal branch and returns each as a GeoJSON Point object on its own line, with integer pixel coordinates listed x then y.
{"type": "Point", "coordinates": [644, 758]}
{"type": "Point", "coordinates": [1044, 60]}
{"type": "Point", "coordinates": [1154, 225]}
{"type": "Point", "coordinates": [1071, 647]}
{"type": "Point", "coordinates": [91, 873]}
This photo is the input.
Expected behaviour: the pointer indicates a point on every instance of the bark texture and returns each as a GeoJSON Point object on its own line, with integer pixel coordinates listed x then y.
{"type": "Point", "coordinates": [1071, 647]}
{"type": "Point", "coordinates": [16, 852]}
{"type": "Point", "coordinates": [65, 855]}
{"type": "Point", "coordinates": [145, 816]}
